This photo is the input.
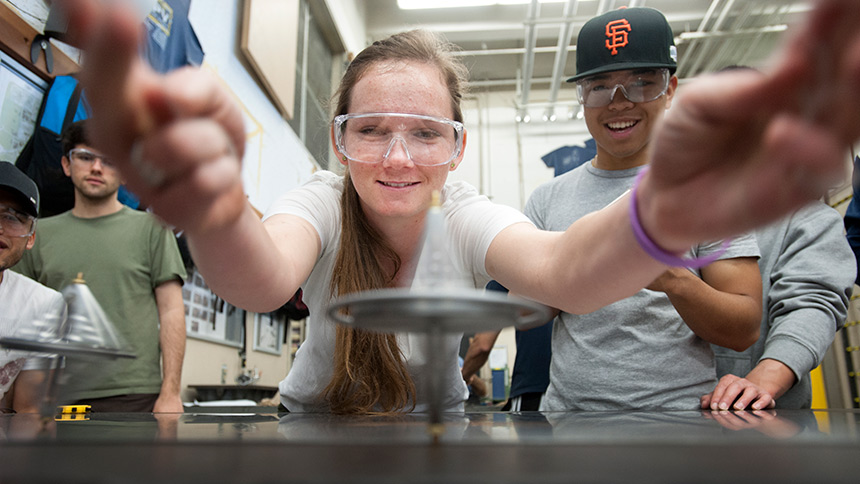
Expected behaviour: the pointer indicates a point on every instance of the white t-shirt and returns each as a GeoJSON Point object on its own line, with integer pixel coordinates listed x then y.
{"type": "Point", "coordinates": [23, 302]}
{"type": "Point", "coordinates": [473, 222]}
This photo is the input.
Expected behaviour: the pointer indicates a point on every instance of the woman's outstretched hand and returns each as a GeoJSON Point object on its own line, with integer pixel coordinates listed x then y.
{"type": "Point", "coordinates": [177, 139]}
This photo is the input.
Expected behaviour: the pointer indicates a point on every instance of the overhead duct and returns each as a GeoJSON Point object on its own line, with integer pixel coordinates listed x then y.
{"type": "Point", "coordinates": [564, 35]}
{"type": "Point", "coordinates": [529, 55]}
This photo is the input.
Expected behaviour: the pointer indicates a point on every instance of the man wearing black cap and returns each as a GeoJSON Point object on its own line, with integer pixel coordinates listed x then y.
{"type": "Point", "coordinates": [650, 350]}
{"type": "Point", "coordinates": [22, 300]}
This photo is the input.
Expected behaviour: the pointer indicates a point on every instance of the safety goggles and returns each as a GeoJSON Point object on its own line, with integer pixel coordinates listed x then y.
{"type": "Point", "coordinates": [637, 85]}
{"type": "Point", "coordinates": [371, 137]}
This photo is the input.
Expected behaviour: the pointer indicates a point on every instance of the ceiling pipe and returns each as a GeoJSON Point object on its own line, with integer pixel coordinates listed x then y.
{"type": "Point", "coordinates": [702, 55]}
{"type": "Point", "coordinates": [741, 19]}
{"type": "Point", "coordinates": [702, 26]}
{"type": "Point", "coordinates": [777, 20]}
{"type": "Point", "coordinates": [767, 29]}
{"type": "Point", "coordinates": [511, 51]}
{"type": "Point", "coordinates": [506, 82]}
{"type": "Point", "coordinates": [564, 36]}
{"type": "Point", "coordinates": [605, 6]}
{"type": "Point", "coordinates": [686, 37]}
{"type": "Point", "coordinates": [528, 55]}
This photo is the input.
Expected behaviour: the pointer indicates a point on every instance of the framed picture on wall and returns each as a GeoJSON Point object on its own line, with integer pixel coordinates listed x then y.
{"type": "Point", "coordinates": [209, 317]}
{"type": "Point", "coordinates": [269, 333]}
{"type": "Point", "coordinates": [21, 93]}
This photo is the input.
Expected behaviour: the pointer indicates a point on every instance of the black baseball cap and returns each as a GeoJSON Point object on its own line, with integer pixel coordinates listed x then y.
{"type": "Point", "coordinates": [12, 178]}
{"type": "Point", "coordinates": [625, 38]}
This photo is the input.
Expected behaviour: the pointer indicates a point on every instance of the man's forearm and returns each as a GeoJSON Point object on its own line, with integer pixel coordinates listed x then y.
{"type": "Point", "coordinates": [171, 335]}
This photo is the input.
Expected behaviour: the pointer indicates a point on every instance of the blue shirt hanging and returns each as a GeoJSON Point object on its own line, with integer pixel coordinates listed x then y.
{"type": "Point", "coordinates": [171, 41]}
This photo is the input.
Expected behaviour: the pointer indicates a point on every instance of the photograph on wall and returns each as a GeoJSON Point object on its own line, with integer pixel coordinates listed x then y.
{"type": "Point", "coordinates": [269, 332]}
{"type": "Point", "coordinates": [209, 317]}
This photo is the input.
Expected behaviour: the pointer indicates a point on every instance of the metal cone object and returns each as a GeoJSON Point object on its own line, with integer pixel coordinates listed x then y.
{"type": "Point", "coordinates": [441, 302]}
{"type": "Point", "coordinates": [436, 270]}
{"type": "Point", "coordinates": [86, 331]}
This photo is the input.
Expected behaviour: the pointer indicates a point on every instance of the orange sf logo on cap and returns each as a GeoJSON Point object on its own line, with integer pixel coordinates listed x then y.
{"type": "Point", "coordinates": [616, 33]}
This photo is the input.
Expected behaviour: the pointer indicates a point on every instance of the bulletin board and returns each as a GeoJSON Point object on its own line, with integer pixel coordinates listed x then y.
{"type": "Point", "coordinates": [21, 93]}
{"type": "Point", "coordinates": [209, 317]}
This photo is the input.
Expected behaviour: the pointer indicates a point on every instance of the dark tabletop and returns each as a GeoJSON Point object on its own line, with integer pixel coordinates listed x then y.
{"type": "Point", "coordinates": [596, 447]}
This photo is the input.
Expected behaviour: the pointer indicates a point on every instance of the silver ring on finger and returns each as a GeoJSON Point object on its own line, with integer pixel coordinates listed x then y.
{"type": "Point", "coordinates": [152, 176]}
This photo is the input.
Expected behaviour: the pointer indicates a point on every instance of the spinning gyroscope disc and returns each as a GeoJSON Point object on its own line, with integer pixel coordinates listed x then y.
{"type": "Point", "coordinates": [463, 310]}
{"type": "Point", "coordinates": [62, 348]}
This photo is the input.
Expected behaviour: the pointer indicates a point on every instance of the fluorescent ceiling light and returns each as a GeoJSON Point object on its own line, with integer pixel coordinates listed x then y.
{"type": "Point", "coordinates": [422, 4]}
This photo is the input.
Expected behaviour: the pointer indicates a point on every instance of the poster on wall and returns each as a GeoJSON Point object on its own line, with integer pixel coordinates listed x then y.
{"type": "Point", "coordinates": [209, 317]}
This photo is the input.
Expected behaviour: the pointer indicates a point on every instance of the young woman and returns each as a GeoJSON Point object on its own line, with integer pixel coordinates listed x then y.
{"type": "Point", "coordinates": [179, 141]}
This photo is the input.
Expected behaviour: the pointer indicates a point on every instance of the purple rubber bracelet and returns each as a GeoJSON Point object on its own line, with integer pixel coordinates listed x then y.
{"type": "Point", "coordinates": [653, 249]}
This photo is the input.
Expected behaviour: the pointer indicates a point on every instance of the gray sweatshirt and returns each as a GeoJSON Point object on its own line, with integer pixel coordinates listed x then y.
{"type": "Point", "coordinates": [808, 275]}
{"type": "Point", "coordinates": [636, 353]}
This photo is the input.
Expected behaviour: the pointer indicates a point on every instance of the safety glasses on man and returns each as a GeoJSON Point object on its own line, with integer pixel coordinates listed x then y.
{"type": "Point", "coordinates": [15, 223]}
{"type": "Point", "coordinates": [637, 85]}
{"type": "Point", "coordinates": [371, 137]}
{"type": "Point", "coordinates": [87, 157]}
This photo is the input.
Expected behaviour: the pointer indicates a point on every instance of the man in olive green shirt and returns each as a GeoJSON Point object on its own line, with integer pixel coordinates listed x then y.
{"type": "Point", "coordinates": [131, 264]}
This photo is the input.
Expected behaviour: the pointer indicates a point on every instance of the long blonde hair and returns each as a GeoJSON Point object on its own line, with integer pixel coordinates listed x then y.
{"type": "Point", "coordinates": [369, 373]}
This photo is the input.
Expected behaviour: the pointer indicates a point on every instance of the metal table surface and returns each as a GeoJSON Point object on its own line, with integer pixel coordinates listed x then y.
{"type": "Point", "coordinates": [529, 447]}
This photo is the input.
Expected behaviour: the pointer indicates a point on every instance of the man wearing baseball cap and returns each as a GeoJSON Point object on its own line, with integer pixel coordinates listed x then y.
{"type": "Point", "coordinates": [23, 301]}
{"type": "Point", "coordinates": [652, 349]}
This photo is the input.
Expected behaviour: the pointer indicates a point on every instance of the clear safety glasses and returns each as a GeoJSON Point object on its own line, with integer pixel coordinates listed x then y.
{"type": "Point", "coordinates": [87, 157]}
{"type": "Point", "coordinates": [371, 137]}
{"type": "Point", "coordinates": [15, 223]}
{"type": "Point", "coordinates": [637, 85]}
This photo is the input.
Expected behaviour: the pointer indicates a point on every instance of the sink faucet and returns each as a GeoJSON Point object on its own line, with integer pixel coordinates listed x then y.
{"type": "Point", "coordinates": [248, 377]}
